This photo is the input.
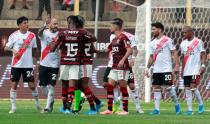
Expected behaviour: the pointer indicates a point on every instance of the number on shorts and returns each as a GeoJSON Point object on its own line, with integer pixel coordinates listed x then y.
{"type": "Point", "coordinates": [72, 49]}
{"type": "Point", "coordinates": [54, 76]}
{"type": "Point", "coordinates": [194, 77]}
{"type": "Point", "coordinates": [168, 77]}
{"type": "Point", "coordinates": [131, 76]}
{"type": "Point", "coordinates": [29, 73]}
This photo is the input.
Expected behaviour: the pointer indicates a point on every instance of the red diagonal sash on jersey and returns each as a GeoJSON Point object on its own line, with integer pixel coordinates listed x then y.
{"type": "Point", "coordinates": [189, 50]}
{"type": "Point", "coordinates": [47, 49]}
{"type": "Point", "coordinates": [159, 47]}
{"type": "Point", "coordinates": [22, 50]}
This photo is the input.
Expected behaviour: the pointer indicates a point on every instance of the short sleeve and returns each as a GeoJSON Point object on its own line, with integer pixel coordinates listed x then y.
{"type": "Point", "coordinates": [201, 46]}
{"type": "Point", "coordinates": [10, 42]}
{"type": "Point", "coordinates": [181, 48]}
{"type": "Point", "coordinates": [171, 44]}
{"type": "Point", "coordinates": [34, 43]}
{"type": "Point", "coordinates": [112, 36]}
{"type": "Point", "coordinates": [151, 48]}
{"type": "Point", "coordinates": [133, 41]}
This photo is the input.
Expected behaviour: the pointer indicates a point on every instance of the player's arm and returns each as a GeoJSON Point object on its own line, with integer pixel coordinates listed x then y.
{"type": "Point", "coordinates": [175, 59]}
{"type": "Point", "coordinates": [203, 60]}
{"type": "Point", "coordinates": [9, 46]}
{"type": "Point", "coordinates": [134, 54]}
{"type": "Point", "coordinates": [127, 54]}
{"type": "Point", "coordinates": [41, 30]}
{"type": "Point", "coordinates": [149, 64]}
{"type": "Point", "coordinates": [55, 45]}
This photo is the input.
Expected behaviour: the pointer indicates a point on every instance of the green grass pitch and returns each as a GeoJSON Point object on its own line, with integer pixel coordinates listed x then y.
{"type": "Point", "coordinates": [27, 114]}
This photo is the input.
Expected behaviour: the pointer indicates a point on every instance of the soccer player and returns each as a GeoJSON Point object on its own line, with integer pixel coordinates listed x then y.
{"type": "Point", "coordinates": [162, 52]}
{"type": "Point", "coordinates": [121, 50]}
{"type": "Point", "coordinates": [86, 68]}
{"type": "Point", "coordinates": [49, 61]}
{"type": "Point", "coordinates": [193, 66]}
{"type": "Point", "coordinates": [131, 81]}
{"type": "Point", "coordinates": [72, 43]}
{"type": "Point", "coordinates": [21, 43]}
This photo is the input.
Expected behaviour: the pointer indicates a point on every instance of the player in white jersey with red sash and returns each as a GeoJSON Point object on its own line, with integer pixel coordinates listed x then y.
{"type": "Point", "coordinates": [162, 51]}
{"type": "Point", "coordinates": [193, 54]}
{"type": "Point", "coordinates": [21, 43]}
{"type": "Point", "coordinates": [49, 61]}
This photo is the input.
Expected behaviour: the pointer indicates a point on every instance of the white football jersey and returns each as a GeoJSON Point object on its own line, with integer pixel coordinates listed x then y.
{"type": "Point", "coordinates": [52, 59]}
{"type": "Point", "coordinates": [15, 42]}
{"type": "Point", "coordinates": [133, 43]}
{"type": "Point", "coordinates": [193, 63]}
{"type": "Point", "coordinates": [163, 61]}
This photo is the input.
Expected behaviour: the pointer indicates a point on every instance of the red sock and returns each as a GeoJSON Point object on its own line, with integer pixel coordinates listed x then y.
{"type": "Point", "coordinates": [70, 96]}
{"type": "Point", "coordinates": [88, 93]}
{"type": "Point", "coordinates": [64, 97]}
{"type": "Point", "coordinates": [124, 92]}
{"type": "Point", "coordinates": [110, 96]}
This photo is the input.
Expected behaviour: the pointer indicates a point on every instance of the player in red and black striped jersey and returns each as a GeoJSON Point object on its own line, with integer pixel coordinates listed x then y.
{"type": "Point", "coordinates": [121, 50]}
{"type": "Point", "coordinates": [71, 43]}
{"type": "Point", "coordinates": [86, 69]}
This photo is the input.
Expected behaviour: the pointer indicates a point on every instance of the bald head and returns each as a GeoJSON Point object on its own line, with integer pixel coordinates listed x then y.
{"type": "Point", "coordinates": [53, 24]}
{"type": "Point", "coordinates": [188, 32]}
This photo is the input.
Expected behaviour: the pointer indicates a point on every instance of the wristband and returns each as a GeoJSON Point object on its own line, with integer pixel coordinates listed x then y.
{"type": "Point", "coordinates": [203, 65]}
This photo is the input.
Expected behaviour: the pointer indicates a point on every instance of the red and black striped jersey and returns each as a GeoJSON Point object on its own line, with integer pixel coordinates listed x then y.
{"type": "Point", "coordinates": [71, 45]}
{"type": "Point", "coordinates": [118, 47]}
{"type": "Point", "coordinates": [89, 49]}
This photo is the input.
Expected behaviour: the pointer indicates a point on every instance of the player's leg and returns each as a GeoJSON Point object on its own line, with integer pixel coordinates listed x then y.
{"type": "Point", "coordinates": [64, 92]}
{"type": "Point", "coordinates": [110, 92]}
{"type": "Point", "coordinates": [86, 73]}
{"type": "Point", "coordinates": [168, 81]}
{"type": "Point", "coordinates": [158, 80]}
{"type": "Point", "coordinates": [28, 76]}
{"type": "Point", "coordinates": [106, 74]}
{"type": "Point", "coordinates": [123, 76]}
{"type": "Point", "coordinates": [134, 92]}
{"type": "Point", "coordinates": [78, 97]}
{"type": "Point", "coordinates": [15, 77]}
{"type": "Point", "coordinates": [43, 79]}
{"type": "Point", "coordinates": [52, 82]}
{"type": "Point", "coordinates": [188, 93]}
{"type": "Point", "coordinates": [194, 83]}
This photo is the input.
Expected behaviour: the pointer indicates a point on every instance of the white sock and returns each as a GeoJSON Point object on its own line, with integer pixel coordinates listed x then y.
{"type": "Point", "coordinates": [198, 97]}
{"type": "Point", "coordinates": [116, 95]}
{"type": "Point", "coordinates": [157, 97]}
{"type": "Point", "coordinates": [173, 95]}
{"type": "Point", "coordinates": [13, 95]}
{"type": "Point", "coordinates": [189, 99]}
{"type": "Point", "coordinates": [50, 97]}
{"type": "Point", "coordinates": [45, 90]}
{"type": "Point", "coordinates": [35, 94]}
{"type": "Point", "coordinates": [135, 97]}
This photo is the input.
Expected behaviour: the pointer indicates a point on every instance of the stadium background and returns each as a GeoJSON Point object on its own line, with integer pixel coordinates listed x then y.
{"type": "Point", "coordinates": [111, 10]}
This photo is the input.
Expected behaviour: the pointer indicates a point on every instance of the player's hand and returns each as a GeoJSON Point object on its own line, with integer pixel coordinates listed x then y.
{"type": "Point", "coordinates": [120, 64]}
{"type": "Point", "coordinates": [147, 72]}
{"type": "Point", "coordinates": [15, 53]}
{"type": "Point", "coordinates": [202, 70]}
{"type": "Point", "coordinates": [132, 62]}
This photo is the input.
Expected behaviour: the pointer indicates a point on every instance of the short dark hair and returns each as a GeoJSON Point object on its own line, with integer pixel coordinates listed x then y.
{"type": "Point", "coordinates": [78, 21]}
{"type": "Point", "coordinates": [21, 19]}
{"type": "Point", "coordinates": [118, 21]}
{"type": "Point", "coordinates": [158, 25]}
